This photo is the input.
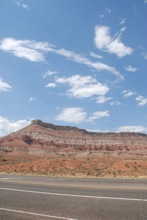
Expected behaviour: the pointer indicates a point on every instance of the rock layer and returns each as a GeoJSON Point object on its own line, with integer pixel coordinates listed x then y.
{"type": "Point", "coordinates": [55, 138]}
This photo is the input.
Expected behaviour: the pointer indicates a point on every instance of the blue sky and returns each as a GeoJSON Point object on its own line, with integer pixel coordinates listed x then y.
{"type": "Point", "coordinates": [74, 62]}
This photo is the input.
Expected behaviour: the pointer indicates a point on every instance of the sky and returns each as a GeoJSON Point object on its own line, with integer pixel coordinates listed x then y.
{"type": "Point", "coordinates": [81, 63]}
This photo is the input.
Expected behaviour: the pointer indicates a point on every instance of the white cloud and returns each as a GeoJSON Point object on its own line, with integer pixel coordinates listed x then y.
{"type": "Point", "coordinates": [108, 10]}
{"type": "Point", "coordinates": [145, 55]}
{"type": "Point", "coordinates": [128, 93]}
{"type": "Point", "coordinates": [32, 99]}
{"type": "Point", "coordinates": [145, 1]}
{"type": "Point", "coordinates": [78, 115]}
{"type": "Point", "coordinates": [51, 85]}
{"type": "Point", "coordinates": [22, 5]}
{"type": "Point", "coordinates": [99, 66]}
{"type": "Point", "coordinates": [115, 103]}
{"type": "Point", "coordinates": [98, 115]}
{"type": "Point", "coordinates": [122, 21]}
{"type": "Point", "coordinates": [131, 69]}
{"type": "Point", "coordinates": [105, 42]}
{"type": "Point", "coordinates": [141, 100]}
{"type": "Point", "coordinates": [30, 50]}
{"type": "Point", "coordinates": [92, 54]}
{"type": "Point", "coordinates": [73, 114]}
{"type": "Point", "coordinates": [48, 73]}
{"type": "Point", "coordinates": [7, 126]}
{"type": "Point", "coordinates": [101, 15]}
{"type": "Point", "coordinates": [35, 51]}
{"type": "Point", "coordinates": [4, 86]}
{"type": "Point", "coordinates": [83, 86]}
{"type": "Point", "coordinates": [103, 99]}
{"type": "Point", "coordinates": [137, 129]}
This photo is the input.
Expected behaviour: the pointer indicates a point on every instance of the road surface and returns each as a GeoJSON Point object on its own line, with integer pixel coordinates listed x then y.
{"type": "Point", "coordinates": [41, 198]}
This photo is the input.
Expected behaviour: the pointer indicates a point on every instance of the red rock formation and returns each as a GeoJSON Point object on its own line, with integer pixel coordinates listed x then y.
{"type": "Point", "coordinates": [55, 138]}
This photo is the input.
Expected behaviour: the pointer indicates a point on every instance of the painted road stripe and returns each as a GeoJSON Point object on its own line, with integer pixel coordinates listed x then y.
{"type": "Point", "coordinates": [73, 195]}
{"type": "Point", "coordinates": [36, 214]}
{"type": "Point", "coordinates": [6, 178]}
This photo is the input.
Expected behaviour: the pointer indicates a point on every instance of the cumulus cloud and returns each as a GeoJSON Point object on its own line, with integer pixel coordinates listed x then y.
{"type": "Point", "coordinates": [105, 42]}
{"type": "Point", "coordinates": [131, 69]}
{"type": "Point", "coordinates": [102, 99]}
{"type": "Point", "coordinates": [35, 52]}
{"type": "Point", "coordinates": [51, 85]}
{"type": "Point", "coordinates": [138, 129]}
{"type": "Point", "coordinates": [98, 115]}
{"type": "Point", "coordinates": [73, 114]}
{"type": "Point", "coordinates": [141, 100]}
{"type": "Point", "coordinates": [128, 93]}
{"type": "Point", "coordinates": [83, 86]}
{"type": "Point", "coordinates": [4, 86]}
{"type": "Point", "coordinates": [7, 126]}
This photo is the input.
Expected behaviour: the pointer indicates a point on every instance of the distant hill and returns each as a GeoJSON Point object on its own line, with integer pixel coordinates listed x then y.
{"type": "Point", "coordinates": [55, 138]}
{"type": "Point", "coordinates": [45, 148]}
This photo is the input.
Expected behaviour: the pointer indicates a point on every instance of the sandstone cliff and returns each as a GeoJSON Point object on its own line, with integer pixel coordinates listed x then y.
{"type": "Point", "coordinates": [55, 138]}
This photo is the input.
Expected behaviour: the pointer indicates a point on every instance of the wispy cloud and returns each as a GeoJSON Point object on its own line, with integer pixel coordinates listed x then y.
{"type": "Point", "coordinates": [131, 69]}
{"type": "Point", "coordinates": [99, 66]}
{"type": "Point", "coordinates": [101, 15]}
{"type": "Point", "coordinates": [105, 42]}
{"type": "Point", "coordinates": [141, 100]}
{"type": "Point", "coordinates": [145, 55]}
{"type": "Point", "coordinates": [48, 73]}
{"type": "Point", "coordinates": [22, 5]}
{"type": "Point", "coordinates": [51, 85]}
{"type": "Point", "coordinates": [98, 115]}
{"type": "Point", "coordinates": [128, 93]}
{"type": "Point", "coordinates": [35, 52]}
{"type": "Point", "coordinates": [78, 115]}
{"type": "Point", "coordinates": [30, 50]}
{"type": "Point", "coordinates": [108, 10]}
{"type": "Point", "coordinates": [122, 21]}
{"type": "Point", "coordinates": [115, 103]}
{"type": "Point", "coordinates": [134, 128]}
{"type": "Point", "coordinates": [102, 99]}
{"type": "Point", "coordinates": [7, 126]}
{"type": "Point", "coordinates": [4, 86]}
{"type": "Point", "coordinates": [92, 54]}
{"type": "Point", "coordinates": [32, 99]}
{"type": "Point", "coordinates": [83, 86]}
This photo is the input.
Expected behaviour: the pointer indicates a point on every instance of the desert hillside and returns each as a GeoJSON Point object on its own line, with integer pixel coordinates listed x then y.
{"type": "Point", "coordinates": [44, 148]}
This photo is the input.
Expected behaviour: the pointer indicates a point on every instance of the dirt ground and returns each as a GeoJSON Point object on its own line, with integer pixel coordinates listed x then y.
{"type": "Point", "coordinates": [77, 165]}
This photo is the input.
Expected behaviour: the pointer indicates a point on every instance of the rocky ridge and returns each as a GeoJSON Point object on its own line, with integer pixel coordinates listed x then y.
{"type": "Point", "coordinates": [55, 138]}
{"type": "Point", "coordinates": [45, 148]}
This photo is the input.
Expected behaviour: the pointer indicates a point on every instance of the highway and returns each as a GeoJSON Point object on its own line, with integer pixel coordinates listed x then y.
{"type": "Point", "coordinates": [24, 197]}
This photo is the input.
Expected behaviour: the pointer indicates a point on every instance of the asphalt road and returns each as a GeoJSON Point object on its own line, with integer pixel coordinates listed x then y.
{"type": "Point", "coordinates": [42, 198]}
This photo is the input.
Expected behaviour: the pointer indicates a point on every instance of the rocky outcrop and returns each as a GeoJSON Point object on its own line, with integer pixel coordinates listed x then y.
{"type": "Point", "coordinates": [54, 138]}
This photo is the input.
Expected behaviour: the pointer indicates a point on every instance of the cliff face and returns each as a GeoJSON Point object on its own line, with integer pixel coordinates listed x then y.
{"type": "Point", "coordinates": [54, 138]}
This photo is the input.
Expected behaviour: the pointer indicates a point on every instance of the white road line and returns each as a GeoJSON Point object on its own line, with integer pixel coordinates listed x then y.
{"type": "Point", "coordinates": [5, 178]}
{"type": "Point", "coordinates": [36, 214]}
{"type": "Point", "coordinates": [73, 195]}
